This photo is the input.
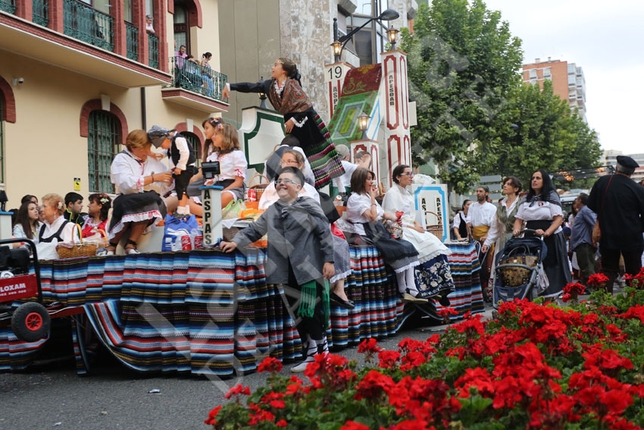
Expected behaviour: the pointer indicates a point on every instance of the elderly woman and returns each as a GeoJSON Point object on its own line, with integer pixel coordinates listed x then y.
{"type": "Point", "coordinates": [140, 181]}
{"type": "Point", "coordinates": [56, 228]}
{"type": "Point", "coordinates": [433, 276]}
{"type": "Point", "coordinates": [541, 211]}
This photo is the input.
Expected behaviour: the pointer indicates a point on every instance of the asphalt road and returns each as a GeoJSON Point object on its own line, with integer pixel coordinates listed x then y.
{"type": "Point", "coordinates": [51, 394]}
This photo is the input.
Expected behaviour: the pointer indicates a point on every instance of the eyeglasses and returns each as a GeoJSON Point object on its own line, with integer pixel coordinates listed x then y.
{"type": "Point", "coordinates": [408, 174]}
{"type": "Point", "coordinates": [285, 181]}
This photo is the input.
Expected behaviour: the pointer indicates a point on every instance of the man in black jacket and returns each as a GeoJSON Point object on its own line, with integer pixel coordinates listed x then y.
{"type": "Point", "coordinates": [619, 204]}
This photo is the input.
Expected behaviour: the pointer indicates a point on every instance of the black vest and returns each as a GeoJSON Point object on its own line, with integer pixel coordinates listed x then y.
{"type": "Point", "coordinates": [174, 155]}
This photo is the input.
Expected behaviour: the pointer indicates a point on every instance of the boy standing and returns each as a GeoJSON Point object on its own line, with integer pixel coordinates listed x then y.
{"type": "Point", "coordinates": [73, 208]}
{"type": "Point", "coordinates": [181, 156]}
{"type": "Point", "coordinates": [300, 258]}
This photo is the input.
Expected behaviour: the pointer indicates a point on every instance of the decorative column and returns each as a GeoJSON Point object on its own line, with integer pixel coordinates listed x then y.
{"type": "Point", "coordinates": [397, 138]}
{"type": "Point", "coordinates": [212, 227]}
{"type": "Point", "coordinates": [24, 9]}
{"type": "Point", "coordinates": [334, 78]}
{"type": "Point", "coordinates": [120, 38]}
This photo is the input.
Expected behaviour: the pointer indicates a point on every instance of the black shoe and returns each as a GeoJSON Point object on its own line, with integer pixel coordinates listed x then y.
{"type": "Point", "coordinates": [444, 301]}
{"type": "Point", "coordinates": [347, 304]}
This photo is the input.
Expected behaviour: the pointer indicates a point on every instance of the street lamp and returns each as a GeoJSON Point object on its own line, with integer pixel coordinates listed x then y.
{"type": "Point", "coordinates": [339, 42]}
{"type": "Point", "coordinates": [391, 36]}
{"type": "Point", "coordinates": [363, 123]}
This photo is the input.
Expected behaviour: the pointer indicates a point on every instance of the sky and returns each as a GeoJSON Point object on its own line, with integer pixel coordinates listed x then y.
{"type": "Point", "coordinates": [606, 39]}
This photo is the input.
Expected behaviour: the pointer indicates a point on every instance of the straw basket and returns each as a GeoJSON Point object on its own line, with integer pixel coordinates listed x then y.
{"type": "Point", "coordinates": [81, 249]}
{"type": "Point", "coordinates": [260, 186]}
{"type": "Point", "coordinates": [435, 229]}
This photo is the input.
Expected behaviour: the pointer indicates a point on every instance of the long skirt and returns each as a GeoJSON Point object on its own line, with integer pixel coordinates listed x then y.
{"type": "Point", "coordinates": [434, 277]}
{"type": "Point", "coordinates": [556, 265]}
{"type": "Point", "coordinates": [315, 140]}
{"type": "Point", "coordinates": [128, 208]}
{"type": "Point", "coordinates": [398, 253]}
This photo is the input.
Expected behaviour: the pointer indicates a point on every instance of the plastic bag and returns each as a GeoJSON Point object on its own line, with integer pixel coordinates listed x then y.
{"type": "Point", "coordinates": [233, 209]}
{"type": "Point", "coordinates": [180, 233]}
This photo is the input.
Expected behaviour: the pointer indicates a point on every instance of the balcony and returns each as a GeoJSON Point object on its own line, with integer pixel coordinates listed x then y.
{"type": "Point", "coordinates": [8, 6]}
{"type": "Point", "coordinates": [195, 86]}
{"type": "Point", "coordinates": [75, 37]}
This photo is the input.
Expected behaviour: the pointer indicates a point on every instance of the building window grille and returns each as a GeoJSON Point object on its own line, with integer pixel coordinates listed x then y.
{"type": "Point", "coordinates": [102, 145]}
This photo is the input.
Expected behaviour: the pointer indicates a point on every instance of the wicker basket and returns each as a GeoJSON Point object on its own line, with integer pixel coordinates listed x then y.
{"type": "Point", "coordinates": [260, 186]}
{"type": "Point", "coordinates": [435, 229]}
{"type": "Point", "coordinates": [81, 249]}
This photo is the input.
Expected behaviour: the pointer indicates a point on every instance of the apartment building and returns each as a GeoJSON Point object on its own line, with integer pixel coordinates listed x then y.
{"type": "Point", "coordinates": [77, 76]}
{"type": "Point", "coordinates": [610, 158]}
{"type": "Point", "coordinates": [568, 81]}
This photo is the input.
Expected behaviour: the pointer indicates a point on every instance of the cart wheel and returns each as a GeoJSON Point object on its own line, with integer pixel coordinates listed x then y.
{"type": "Point", "coordinates": [30, 322]}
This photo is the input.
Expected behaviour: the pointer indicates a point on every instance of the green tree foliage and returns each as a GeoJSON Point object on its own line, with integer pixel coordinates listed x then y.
{"type": "Point", "coordinates": [462, 63]}
{"type": "Point", "coordinates": [475, 116]}
{"type": "Point", "coordinates": [544, 134]}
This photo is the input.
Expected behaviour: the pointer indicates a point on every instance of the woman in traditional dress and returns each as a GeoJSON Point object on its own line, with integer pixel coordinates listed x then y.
{"type": "Point", "coordinates": [285, 92]}
{"type": "Point", "coordinates": [98, 210]}
{"type": "Point", "coordinates": [56, 229]}
{"type": "Point", "coordinates": [140, 181]}
{"type": "Point", "coordinates": [501, 230]}
{"type": "Point", "coordinates": [366, 215]}
{"type": "Point", "coordinates": [433, 275]}
{"type": "Point", "coordinates": [541, 211]}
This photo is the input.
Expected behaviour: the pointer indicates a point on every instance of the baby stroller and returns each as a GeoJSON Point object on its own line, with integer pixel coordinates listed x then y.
{"type": "Point", "coordinates": [518, 269]}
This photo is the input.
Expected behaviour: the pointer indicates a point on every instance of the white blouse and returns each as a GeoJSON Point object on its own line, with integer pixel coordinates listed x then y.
{"type": "Point", "coordinates": [400, 199]}
{"type": "Point", "coordinates": [357, 205]}
{"type": "Point", "coordinates": [47, 250]}
{"type": "Point", "coordinates": [539, 211]}
{"type": "Point", "coordinates": [231, 164]}
{"type": "Point", "coordinates": [128, 174]}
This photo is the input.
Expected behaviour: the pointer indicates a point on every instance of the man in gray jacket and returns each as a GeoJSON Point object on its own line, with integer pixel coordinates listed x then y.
{"type": "Point", "coordinates": [299, 256]}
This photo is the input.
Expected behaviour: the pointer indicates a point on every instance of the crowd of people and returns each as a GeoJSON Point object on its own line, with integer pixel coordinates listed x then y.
{"type": "Point", "coordinates": [603, 228]}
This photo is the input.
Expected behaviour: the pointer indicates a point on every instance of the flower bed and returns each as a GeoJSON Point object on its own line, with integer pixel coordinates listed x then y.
{"type": "Point", "coordinates": [534, 366]}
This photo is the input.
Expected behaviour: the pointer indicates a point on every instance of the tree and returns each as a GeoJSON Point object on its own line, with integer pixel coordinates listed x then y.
{"type": "Point", "coordinates": [464, 76]}
{"type": "Point", "coordinates": [463, 61]}
{"type": "Point", "coordinates": [544, 134]}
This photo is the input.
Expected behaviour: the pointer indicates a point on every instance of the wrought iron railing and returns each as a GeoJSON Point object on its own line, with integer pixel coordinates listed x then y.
{"type": "Point", "coordinates": [132, 41]}
{"type": "Point", "coordinates": [40, 12]}
{"type": "Point", "coordinates": [8, 6]}
{"type": "Point", "coordinates": [88, 25]}
{"type": "Point", "coordinates": [191, 76]}
{"type": "Point", "coordinates": [153, 51]}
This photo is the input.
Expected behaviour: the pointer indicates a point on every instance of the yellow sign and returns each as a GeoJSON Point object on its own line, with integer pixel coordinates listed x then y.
{"type": "Point", "coordinates": [77, 184]}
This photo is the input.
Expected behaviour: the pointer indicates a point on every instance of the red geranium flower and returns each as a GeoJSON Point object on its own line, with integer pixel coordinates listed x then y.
{"type": "Point", "coordinates": [270, 364]}
{"type": "Point", "coordinates": [352, 425]}
{"type": "Point", "coordinates": [212, 416]}
{"type": "Point", "coordinates": [597, 280]}
{"type": "Point", "coordinates": [236, 390]}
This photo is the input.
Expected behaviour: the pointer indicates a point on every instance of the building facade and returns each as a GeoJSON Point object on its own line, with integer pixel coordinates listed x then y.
{"type": "Point", "coordinates": [568, 81]}
{"type": "Point", "coordinates": [77, 76]}
{"type": "Point", "coordinates": [253, 33]}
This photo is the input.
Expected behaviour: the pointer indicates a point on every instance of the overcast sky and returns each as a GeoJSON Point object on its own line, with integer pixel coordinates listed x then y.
{"type": "Point", "coordinates": [605, 38]}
